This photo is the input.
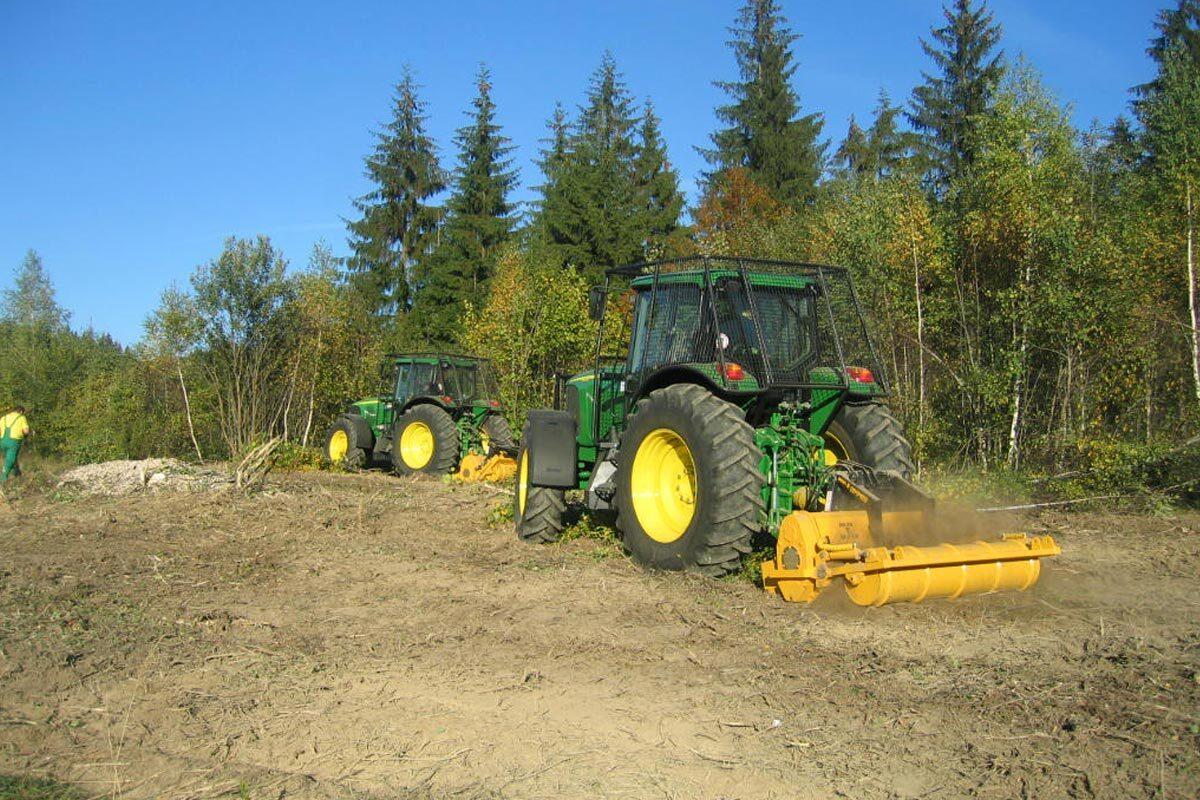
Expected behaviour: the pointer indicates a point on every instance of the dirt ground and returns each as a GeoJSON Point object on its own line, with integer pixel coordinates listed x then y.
{"type": "Point", "coordinates": [374, 637]}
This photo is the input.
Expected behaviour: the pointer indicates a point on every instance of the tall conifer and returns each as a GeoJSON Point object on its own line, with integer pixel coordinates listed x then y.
{"type": "Point", "coordinates": [590, 208]}
{"type": "Point", "coordinates": [657, 183]}
{"type": "Point", "coordinates": [854, 153]}
{"type": "Point", "coordinates": [766, 135]}
{"type": "Point", "coordinates": [968, 71]}
{"type": "Point", "coordinates": [397, 221]}
{"type": "Point", "coordinates": [479, 220]}
{"type": "Point", "coordinates": [889, 146]}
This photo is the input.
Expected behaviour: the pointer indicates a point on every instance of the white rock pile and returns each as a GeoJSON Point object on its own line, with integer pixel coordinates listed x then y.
{"type": "Point", "coordinates": [116, 478]}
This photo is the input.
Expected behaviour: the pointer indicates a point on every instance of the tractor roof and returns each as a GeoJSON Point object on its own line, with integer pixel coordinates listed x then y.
{"type": "Point", "coordinates": [696, 276]}
{"type": "Point", "coordinates": [758, 271]}
{"type": "Point", "coordinates": [430, 357]}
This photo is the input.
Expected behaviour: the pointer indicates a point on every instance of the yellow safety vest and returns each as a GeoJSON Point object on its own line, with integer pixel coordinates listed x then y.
{"type": "Point", "coordinates": [14, 425]}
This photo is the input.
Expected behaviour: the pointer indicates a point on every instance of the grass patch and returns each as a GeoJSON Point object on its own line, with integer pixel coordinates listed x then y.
{"type": "Point", "coordinates": [584, 525]}
{"type": "Point", "coordinates": [15, 787]}
{"type": "Point", "coordinates": [500, 513]}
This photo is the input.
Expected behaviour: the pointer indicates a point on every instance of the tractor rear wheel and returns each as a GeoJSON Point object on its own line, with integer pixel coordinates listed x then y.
{"type": "Point", "coordinates": [867, 433]}
{"type": "Point", "coordinates": [342, 445]}
{"type": "Point", "coordinates": [424, 440]}
{"type": "Point", "coordinates": [496, 433]}
{"type": "Point", "coordinates": [688, 483]}
{"type": "Point", "coordinates": [538, 510]}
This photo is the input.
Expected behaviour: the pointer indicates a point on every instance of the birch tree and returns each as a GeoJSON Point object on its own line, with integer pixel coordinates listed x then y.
{"type": "Point", "coordinates": [1023, 224]}
{"type": "Point", "coordinates": [1171, 115]}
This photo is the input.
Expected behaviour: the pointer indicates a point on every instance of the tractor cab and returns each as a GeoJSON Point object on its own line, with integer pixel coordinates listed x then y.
{"type": "Point", "coordinates": [448, 380]}
{"type": "Point", "coordinates": [742, 328]}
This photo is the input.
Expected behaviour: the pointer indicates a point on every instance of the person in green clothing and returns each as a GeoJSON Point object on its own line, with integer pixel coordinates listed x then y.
{"type": "Point", "coordinates": [13, 430]}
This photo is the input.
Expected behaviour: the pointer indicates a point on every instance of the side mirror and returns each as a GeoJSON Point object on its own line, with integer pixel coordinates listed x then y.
{"type": "Point", "coordinates": [596, 299]}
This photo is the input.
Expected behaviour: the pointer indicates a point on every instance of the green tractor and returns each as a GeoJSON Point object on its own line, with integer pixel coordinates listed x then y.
{"type": "Point", "coordinates": [748, 400]}
{"type": "Point", "coordinates": [440, 416]}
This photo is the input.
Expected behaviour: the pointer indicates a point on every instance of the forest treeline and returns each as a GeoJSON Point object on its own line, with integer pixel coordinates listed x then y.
{"type": "Point", "coordinates": [1031, 286]}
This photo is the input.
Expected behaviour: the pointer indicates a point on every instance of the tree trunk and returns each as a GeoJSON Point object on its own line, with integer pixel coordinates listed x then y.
{"type": "Point", "coordinates": [318, 356]}
{"type": "Point", "coordinates": [920, 338]}
{"type": "Point", "coordinates": [1021, 331]}
{"type": "Point", "coordinates": [1192, 305]}
{"type": "Point", "coordinates": [187, 408]}
{"type": "Point", "coordinates": [312, 401]}
{"type": "Point", "coordinates": [1149, 407]}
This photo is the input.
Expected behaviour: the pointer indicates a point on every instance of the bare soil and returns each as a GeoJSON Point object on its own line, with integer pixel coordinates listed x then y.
{"type": "Point", "coordinates": [367, 636]}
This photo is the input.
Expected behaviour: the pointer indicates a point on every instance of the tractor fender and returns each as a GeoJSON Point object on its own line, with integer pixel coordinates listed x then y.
{"type": "Point", "coordinates": [549, 440]}
{"type": "Point", "coordinates": [362, 430]}
{"type": "Point", "coordinates": [426, 399]}
{"type": "Point", "coordinates": [676, 374]}
{"type": "Point", "coordinates": [669, 376]}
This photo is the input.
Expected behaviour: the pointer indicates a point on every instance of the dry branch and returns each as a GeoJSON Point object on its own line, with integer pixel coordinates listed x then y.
{"type": "Point", "coordinates": [254, 466]}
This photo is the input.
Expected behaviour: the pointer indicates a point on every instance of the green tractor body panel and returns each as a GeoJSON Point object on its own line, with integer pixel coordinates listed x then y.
{"type": "Point", "coordinates": [378, 412]}
{"type": "Point", "coordinates": [780, 341]}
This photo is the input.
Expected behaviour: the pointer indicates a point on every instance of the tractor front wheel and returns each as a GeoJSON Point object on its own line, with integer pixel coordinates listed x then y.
{"type": "Point", "coordinates": [342, 445]}
{"type": "Point", "coordinates": [868, 434]}
{"type": "Point", "coordinates": [424, 440]}
{"type": "Point", "coordinates": [688, 483]}
{"type": "Point", "coordinates": [538, 510]}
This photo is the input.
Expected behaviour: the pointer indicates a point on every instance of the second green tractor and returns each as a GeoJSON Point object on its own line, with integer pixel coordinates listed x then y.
{"type": "Point", "coordinates": [439, 415]}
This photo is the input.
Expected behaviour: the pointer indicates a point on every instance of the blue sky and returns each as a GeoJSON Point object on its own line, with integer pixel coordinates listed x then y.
{"type": "Point", "coordinates": [136, 136]}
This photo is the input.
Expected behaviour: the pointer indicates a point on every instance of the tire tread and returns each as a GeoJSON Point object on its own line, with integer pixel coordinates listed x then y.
{"type": "Point", "coordinates": [736, 516]}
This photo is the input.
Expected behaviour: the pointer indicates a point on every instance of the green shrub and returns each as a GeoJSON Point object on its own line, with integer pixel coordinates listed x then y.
{"type": "Point", "coordinates": [294, 457]}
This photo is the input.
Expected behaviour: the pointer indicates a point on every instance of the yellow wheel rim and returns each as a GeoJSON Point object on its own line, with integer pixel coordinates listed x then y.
{"type": "Point", "coordinates": [663, 485]}
{"type": "Point", "coordinates": [485, 442]}
{"type": "Point", "coordinates": [416, 445]}
{"type": "Point", "coordinates": [522, 484]}
{"type": "Point", "coordinates": [834, 445]}
{"type": "Point", "coordinates": [339, 444]}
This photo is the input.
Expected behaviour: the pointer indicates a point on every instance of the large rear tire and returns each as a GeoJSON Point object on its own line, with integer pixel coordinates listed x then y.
{"type": "Point", "coordinates": [868, 433]}
{"type": "Point", "coordinates": [342, 445]}
{"type": "Point", "coordinates": [425, 440]}
{"type": "Point", "coordinates": [688, 483]}
{"type": "Point", "coordinates": [538, 510]}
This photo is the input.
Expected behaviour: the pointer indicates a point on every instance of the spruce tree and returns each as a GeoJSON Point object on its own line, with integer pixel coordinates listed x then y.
{"type": "Point", "coordinates": [854, 154]}
{"type": "Point", "coordinates": [968, 71]}
{"type": "Point", "coordinates": [479, 220]}
{"type": "Point", "coordinates": [1177, 27]}
{"type": "Point", "coordinates": [397, 221]}
{"type": "Point", "coordinates": [590, 203]}
{"type": "Point", "coordinates": [553, 156]}
{"type": "Point", "coordinates": [766, 134]}
{"type": "Point", "coordinates": [880, 150]}
{"type": "Point", "coordinates": [657, 183]}
{"type": "Point", "coordinates": [551, 161]}
{"type": "Point", "coordinates": [889, 146]}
